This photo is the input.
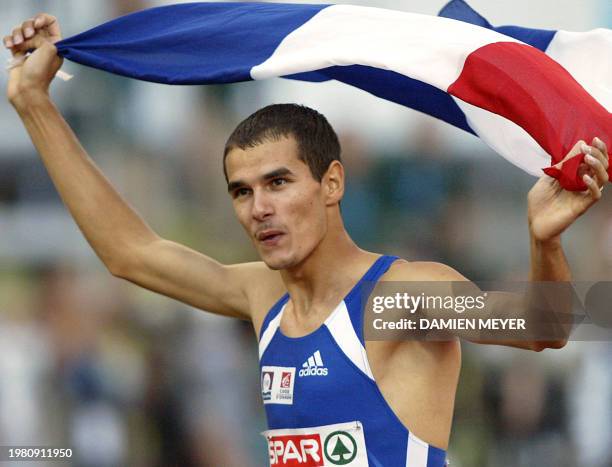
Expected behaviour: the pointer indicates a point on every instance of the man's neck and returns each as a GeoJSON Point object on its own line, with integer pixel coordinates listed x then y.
{"type": "Point", "coordinates": [323, 276]}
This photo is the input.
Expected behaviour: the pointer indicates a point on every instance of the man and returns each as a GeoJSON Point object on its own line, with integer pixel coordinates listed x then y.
{"type": "Point", "coordinates": [331, 397]}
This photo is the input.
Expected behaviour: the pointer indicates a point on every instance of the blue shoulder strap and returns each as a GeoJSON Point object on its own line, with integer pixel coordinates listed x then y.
{"type": "Point", "coordinates": [354, 300]}
{"type": "Point", "coordinates": [274, 311]}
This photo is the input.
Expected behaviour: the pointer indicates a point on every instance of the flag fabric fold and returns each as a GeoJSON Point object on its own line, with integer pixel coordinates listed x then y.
{"type": "Point", "coordinates": [586, 55]}
{"type": "Point", "coordinates": [515, 97]}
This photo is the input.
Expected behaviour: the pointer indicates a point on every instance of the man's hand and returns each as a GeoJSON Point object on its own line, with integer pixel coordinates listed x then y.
{"type": "Point", "coordinates": [552, 209]}
{"type": "Point", "coordinates": [32, 78]}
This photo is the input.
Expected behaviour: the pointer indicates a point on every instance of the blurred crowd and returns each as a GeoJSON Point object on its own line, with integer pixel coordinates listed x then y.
{"type": "Point", "coordinates": [127, 377]}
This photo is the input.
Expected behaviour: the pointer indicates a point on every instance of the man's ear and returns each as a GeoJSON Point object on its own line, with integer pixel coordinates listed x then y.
{"type": "Point", "coordinates": [333, 183]}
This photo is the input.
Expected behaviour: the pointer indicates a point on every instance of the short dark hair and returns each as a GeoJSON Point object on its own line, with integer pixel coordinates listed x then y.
{"type": "Point", "coordinates": [317, 141]}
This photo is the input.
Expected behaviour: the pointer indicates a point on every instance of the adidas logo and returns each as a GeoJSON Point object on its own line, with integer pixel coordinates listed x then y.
{"type": "Point", "coordinates": [313, 366]}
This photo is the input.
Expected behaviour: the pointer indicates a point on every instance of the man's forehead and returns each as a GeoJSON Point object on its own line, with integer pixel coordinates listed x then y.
{"type": "Point", "coordinates": [263, 158]}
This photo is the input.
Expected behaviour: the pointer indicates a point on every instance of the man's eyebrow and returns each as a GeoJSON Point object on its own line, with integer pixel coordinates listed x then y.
{"type": "Point", "coordinates": [277, 173]}
{"type": "Point", "coordinates": [231, 186]}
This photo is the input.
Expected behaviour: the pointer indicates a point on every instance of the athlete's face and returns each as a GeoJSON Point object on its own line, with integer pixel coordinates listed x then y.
{"type": "Point", "coordinates": [277, 201]}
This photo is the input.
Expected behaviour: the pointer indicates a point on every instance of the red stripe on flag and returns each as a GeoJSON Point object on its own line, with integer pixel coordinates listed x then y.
{"type": "Point", "coordinates": [522, 84]}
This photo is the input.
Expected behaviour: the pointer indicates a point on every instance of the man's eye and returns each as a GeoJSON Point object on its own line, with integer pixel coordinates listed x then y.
{"type": "Point", "coordinates": [241, 192]}
{"type": "Point", "coordinates": [279, 181]}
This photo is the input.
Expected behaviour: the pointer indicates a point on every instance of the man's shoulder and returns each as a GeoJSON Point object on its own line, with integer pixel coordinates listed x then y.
{"type": "Point", "coordinates": [403, 270]}
{"type": "Point", "coordinates": [263, 287]}
{"type": "Point", "coordinates": [258, 277]}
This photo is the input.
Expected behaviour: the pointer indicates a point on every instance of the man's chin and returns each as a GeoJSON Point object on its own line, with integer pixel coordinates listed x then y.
{"type": "Point", "coordinates": [276, 263]}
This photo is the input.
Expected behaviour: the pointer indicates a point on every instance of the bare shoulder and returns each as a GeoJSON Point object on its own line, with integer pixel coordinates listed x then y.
{"type": "Point", "coordinates": [402, 270]}
{"type": "Point", "coordinates": [260, 283]}
{"type": "Point", "coordinates": [262, 286]}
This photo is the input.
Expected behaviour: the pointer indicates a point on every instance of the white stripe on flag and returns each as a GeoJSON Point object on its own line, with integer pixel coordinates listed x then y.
{"type": "Point", "coordinates": [506, 138]}
{"type": "Point", "coordinates": [427, 48]}
{"type": "Point", "coordinates": [593, 70]}
{"type": "Point", "coordinates": [567, 48]}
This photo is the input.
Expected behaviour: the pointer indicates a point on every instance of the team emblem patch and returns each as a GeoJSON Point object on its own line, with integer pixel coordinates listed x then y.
{"type": "Point", "coordinates": [277, 384]}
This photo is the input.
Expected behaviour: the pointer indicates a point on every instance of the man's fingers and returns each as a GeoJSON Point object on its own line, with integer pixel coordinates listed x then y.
{"type": "Point", "coordinates": [17, 35]}
{"type": "Point", "coordinates": [594, 189]}
{"type": "Point", "coordinates": [50, 23]}
{"type": "Point", "coordinates": [30, 44]}
{"type": "Point", "coordinates": [599, 144]}
{"type": "Point", "coordinates": [27, 29]}
{"type": "Point", "coordinates": [596, 158]}
{"type": "Point", "coordinates": [596, 153]}
{"type": "Point", "coordinates": [43, 20]}
{"type": "Point", "coordinates": [598, 168]}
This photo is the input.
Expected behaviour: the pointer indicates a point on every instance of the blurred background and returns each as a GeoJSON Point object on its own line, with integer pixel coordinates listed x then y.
{"type": "Point", "coordinates": [128, 377]}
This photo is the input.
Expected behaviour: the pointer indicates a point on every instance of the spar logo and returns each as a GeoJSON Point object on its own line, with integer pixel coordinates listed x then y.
{"type": "Point", "coordinates": [296, 450]}
{"type": "Point", "coordinates": [340, 448]}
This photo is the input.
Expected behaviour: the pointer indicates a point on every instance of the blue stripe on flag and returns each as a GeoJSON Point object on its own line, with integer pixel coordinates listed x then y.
{"type": "Point", "coordinates": [159, 44]}
{"type": "Point", "coordinates": [460, 10]}
{"type": "Point", "coordinates": [208, 43]}
{"type": "Point", "coordinates": [396, 88]}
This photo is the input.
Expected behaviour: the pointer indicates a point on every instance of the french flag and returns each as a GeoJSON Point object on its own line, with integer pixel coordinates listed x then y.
{"type": "Point", "coordinates": [529, 94]}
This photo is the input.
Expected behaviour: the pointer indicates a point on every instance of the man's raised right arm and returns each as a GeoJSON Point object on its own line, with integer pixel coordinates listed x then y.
{"type": "Point", "coordinates": [122, 240]}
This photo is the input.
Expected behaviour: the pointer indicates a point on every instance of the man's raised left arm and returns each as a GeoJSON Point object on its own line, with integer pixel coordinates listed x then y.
{"type": "Point", "coordinates": [547, 303]}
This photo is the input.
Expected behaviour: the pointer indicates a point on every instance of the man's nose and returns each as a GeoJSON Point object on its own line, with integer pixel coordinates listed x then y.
{"type": "Point", "coordinates": [262, 206]}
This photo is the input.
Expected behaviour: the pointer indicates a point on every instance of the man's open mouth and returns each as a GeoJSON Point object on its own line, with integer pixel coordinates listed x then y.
{"type": "Point", "coordinates": [269, 237]}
